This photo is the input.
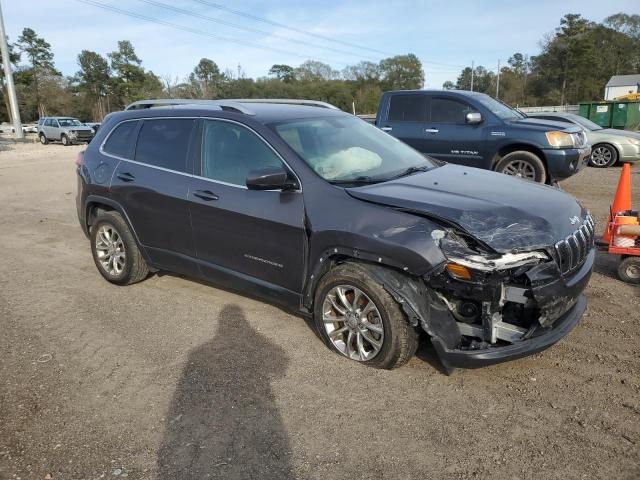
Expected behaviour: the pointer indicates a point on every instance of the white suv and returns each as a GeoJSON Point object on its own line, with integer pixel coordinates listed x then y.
{"type": "Point", "coordinates": [67, 130]}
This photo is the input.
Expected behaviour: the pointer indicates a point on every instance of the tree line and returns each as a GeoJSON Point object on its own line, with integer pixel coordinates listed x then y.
{"type": "Point", "coordinates": [574, 63]}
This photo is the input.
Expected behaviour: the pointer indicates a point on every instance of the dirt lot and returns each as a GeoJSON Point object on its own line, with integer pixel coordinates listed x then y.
{"type": "Point", "coordinates": [172, 378]}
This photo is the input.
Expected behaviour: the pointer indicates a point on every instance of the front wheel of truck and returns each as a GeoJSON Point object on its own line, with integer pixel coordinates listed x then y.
{"type": "Point", "coordinates": [523, 164]}
{"type": "Point", "coordinates": [358, 319]}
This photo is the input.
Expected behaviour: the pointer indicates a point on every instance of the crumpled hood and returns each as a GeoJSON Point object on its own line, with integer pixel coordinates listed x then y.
{"type": "Point", "coordinates": [506, 213]}
{"type": "Point", "coordinates": [545, 125]}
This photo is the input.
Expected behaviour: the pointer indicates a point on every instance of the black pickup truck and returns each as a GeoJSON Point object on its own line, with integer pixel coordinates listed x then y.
{"type": "Point", "coordinates": [474, 129]}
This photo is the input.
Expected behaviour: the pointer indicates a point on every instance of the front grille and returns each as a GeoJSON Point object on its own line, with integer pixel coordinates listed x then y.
{"type": "Point", "coordinates": [573, 250]}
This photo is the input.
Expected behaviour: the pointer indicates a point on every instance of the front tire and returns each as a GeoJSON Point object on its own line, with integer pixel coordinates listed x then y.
{"type": "Point", "coordinates": [523, 164]}
{"type": "Point", "coordinates": [603, 156]}
{"type": "Point", "coordinates": [629, 270]}
{"type": "Point", "coordinates": [115, 251]}
{"type": "Point", "coordinates": [65, 140]}
{"type": "Point", "coordinates": [358, 319]}
{"type": "Point", "coordinates": [43, 139]}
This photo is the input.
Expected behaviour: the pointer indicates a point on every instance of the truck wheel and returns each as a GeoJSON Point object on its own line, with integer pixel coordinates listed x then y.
{"type": "Point", "coordinates": [43, 139]}
{"type": "Point", "coordinates": [524, 165]}
{"type": "Point", "coordinates": [603, 156]}
{"type": "Point", "coordinates": [357, 318]}
{"type": "Point", "coordinates": [115, 251]}
{"type": "Point", "coordinates": [629, 270]}
{"type": "Point", "coordinates": [65, 140]}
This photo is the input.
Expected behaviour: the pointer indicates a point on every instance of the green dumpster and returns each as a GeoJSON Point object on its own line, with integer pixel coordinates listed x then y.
{"type": "Point", "coordinates": [601, 114]}
{"type": "Point", "coordinates": [619, 116]}
{"type": "Point", "coordinates": [583, 110]}
{"type": "Point", "coordinates": [633, 116]}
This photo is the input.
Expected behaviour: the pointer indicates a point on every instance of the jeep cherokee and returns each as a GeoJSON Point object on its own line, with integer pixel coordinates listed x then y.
{"type": "Point", "coordinates": [318, 211]}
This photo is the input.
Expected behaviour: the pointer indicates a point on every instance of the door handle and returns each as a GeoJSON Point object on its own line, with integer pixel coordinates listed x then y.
{"type": "Point", "coordinates": [126, 177]}
{"type": "Point", "coordinates": [386, 129]}
{"type": "Point", "coordinates": [432, 130]}
{"type": "Point", "coordinates": [206, 195]}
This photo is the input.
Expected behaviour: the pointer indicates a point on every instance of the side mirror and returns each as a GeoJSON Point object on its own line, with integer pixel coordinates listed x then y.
{"type": "Point", "coordinates": [272, 178]}
{"type": "Point", "coordinates": [473, 118]}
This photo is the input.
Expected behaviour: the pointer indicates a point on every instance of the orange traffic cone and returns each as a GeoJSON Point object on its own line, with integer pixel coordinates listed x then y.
{"type": "Point", "coordinates": [622, 200]}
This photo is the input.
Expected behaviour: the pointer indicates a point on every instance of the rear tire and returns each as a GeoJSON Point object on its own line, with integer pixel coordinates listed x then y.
{"type": "Point", "coordinates": [43, 139]}
{"type": "Point", "coordinates": [375, 330]}
{"type": "Point", "coordinates": [629, 270]}
{"type": "Point", "coordinates": [603, 156]}
{"type": "Point", "coordinates": [523, 164]}
{"type": "Point", "coordinates": [115, 251]}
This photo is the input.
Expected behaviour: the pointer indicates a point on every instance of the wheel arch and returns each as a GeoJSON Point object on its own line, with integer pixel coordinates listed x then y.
{"type": "Point", "coordinates": [94, 205]}
{"type": "Point", "coordinates": [514, 147]}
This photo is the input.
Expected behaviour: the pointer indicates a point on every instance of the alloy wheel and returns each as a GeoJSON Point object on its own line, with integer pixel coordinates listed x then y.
{"type": "Point", "coordinates": [601, 156]}
{"type": "Point", "coordinates": [353, 323]}
{"type": "Point", "coordinates": [633, 271]}
{"type": "Point", "coordinates": [521, 169]}
{"type": "Point", "coordinates": [110, 250]}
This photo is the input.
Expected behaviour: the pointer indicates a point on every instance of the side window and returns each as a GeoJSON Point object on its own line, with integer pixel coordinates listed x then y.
{"type": "Point", "coordinates": [48, 123]}
{"type": "Point", "coordinates": [445, 110]}
{"type": "Point", "coordinates": [120, 140]}
{"type": "Point", "coordinates": [230, 152]}
{"type": "Point", "coordinates": [54, 122]}
{"type": "Point", "coordinates": [164, 143]}
{"type": "Point", "coordinates": [408, 108]}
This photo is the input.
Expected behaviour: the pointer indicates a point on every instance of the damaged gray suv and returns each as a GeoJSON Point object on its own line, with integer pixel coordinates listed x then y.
{"type": "Point", "coordinates": [314, 209]}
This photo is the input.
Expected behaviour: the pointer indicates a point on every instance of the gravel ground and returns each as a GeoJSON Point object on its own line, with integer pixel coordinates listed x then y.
{"type": "Point", "coordinates": [171, 378]}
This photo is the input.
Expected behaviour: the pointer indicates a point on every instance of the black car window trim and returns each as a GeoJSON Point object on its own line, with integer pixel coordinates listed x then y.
{"type": "Point", "coordinates": [264, 140]}
{"type": "Point", "coordinates": [199, 166]}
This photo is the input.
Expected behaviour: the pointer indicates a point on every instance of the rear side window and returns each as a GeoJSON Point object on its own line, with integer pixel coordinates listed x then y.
{"type": "Point", "coordinates": [445, 110]}
{"type": "Point", "coordinates": [164, 143]}
{"type": "Point", "coordinates": [121, 140]}
{"type": "Point", "coordinates": [408, 108]}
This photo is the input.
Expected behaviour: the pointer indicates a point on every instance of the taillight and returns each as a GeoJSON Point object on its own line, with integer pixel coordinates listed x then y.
{"type": "Point", "coordinates": [80, 158]}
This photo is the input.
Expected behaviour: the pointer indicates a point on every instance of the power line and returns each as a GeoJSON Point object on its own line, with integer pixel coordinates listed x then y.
{"type": "Point", "coordinates": [248, 29]}
{"type": "Point", "coordinates": [195, 30]}
{"type": "Point", "coordinates": [287, 27]}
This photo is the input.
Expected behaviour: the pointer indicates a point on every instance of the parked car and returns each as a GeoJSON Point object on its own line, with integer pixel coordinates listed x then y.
{"type": "Point", "coordinates": [67, 130]}
{"type": "Point", "coordinates": [608, 145]}
{"type": "Point", "coordinates": [26, 128]}
{"type": "Point", "coordinates": [320, 212]}
{"type": "Point", "coordinates": [93, 125]}
{"type": "Point", "coordinates": [473, 129]}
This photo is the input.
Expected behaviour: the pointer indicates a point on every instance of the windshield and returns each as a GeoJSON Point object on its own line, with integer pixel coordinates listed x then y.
{"type": "Point", "coordinates": [349, 150]}
{"type": "Point", "coordinates": [69, 122]}
{"type": "Point", "coordinates": [499, 109]}
{"type": "Point", "coordinates": [588, 124]}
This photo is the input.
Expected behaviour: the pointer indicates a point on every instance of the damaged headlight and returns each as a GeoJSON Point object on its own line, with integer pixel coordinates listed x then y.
{"type": "Point", "coordinates": [465, 259]}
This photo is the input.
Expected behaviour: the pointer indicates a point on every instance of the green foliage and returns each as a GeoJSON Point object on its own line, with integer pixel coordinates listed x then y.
{"type": "Point", "coordinates": [402, 72]}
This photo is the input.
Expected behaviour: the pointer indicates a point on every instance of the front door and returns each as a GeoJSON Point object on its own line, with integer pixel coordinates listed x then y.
{"type": "Point", "coordinates": [258, 235]}
{"type": "Point", "coordinates": [450, 138]}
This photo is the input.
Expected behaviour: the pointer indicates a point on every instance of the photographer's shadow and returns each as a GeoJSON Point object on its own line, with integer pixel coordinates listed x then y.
{"type": "Point", "coordinates": [223, 421]}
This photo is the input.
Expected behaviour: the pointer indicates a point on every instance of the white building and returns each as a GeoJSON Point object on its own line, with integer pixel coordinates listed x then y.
{"type": "Point", "coordinates": [621, 85]}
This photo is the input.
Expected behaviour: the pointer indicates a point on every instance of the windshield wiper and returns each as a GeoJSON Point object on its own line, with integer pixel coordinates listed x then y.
{"type": "Point", "coordinates": [410, 171]}
{"type": "Point", "coordinates": [361, 180]}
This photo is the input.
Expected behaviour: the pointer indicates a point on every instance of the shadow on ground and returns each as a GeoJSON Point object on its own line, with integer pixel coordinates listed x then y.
{"type": "Point", "coordinates": [223, 421]}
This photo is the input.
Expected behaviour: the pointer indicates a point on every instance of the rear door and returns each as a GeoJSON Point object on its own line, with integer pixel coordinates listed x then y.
{"type": "Point", "coordinates": [406, 119]}
{"type": "Point", "coordinates": [151, 183]}
{"type": "Point", "coordinates": [255, 233]}
{"type": "Point", "coordinates": [450, 138]}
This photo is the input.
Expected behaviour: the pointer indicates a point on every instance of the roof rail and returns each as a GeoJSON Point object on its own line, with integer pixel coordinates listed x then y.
{"type": "Point", "coordinates": [286, 101]}
{"type": "Point", "coordinates": [183, 102]}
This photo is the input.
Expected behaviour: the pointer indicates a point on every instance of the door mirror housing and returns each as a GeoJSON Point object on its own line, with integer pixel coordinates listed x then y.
{"type": "Point", "coordinates": [272, 178]}
{"type": "Point", "coordinates": [473, 118]}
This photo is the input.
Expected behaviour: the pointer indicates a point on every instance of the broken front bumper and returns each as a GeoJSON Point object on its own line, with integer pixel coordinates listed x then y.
{"type": "Point", "coordinates": [562, 304]}
{"type": "Point", "coordinates": [452, 358]}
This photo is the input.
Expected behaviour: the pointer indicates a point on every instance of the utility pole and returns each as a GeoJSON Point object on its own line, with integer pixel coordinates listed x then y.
{"type": "Point", "coordinates": [8, 78]}
{"type": "Point", "coordinates": [498, 81]}
{"type": "Point", "coordinates": [472, 68]}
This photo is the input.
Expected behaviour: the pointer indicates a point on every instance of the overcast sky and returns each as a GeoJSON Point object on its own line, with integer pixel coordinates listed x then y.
{"type": "Point", "coordinates": [448, 33]}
